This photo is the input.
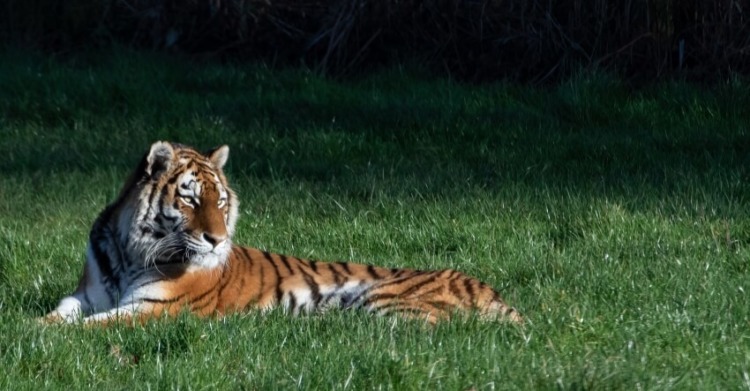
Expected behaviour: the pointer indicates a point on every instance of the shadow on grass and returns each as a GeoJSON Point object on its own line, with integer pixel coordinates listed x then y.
{"type": "Point", "coordinates": [590, 136]}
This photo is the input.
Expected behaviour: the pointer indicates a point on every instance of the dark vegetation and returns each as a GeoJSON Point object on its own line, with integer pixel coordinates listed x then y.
{"type": "Point", "coordinates": [476, 40]}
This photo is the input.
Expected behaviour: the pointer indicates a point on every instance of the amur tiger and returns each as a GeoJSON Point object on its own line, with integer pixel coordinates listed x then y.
{"type": "Point", "coordinates": [165, 245]}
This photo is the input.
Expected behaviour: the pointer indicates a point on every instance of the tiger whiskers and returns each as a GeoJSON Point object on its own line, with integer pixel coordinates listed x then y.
{"type": "Point", "coordinates": [165, 248]}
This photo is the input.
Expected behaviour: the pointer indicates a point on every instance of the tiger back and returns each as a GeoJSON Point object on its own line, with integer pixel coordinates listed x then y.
{"type": "Point", "coordinates": [165, 245]}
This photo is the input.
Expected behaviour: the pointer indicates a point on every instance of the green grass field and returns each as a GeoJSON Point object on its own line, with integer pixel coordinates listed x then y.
{"type": "Point", "coordinates": [616, 220]}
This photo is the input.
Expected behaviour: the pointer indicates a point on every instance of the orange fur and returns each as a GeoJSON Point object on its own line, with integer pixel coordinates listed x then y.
{"type": "Point", "coordinates": [252, 278]}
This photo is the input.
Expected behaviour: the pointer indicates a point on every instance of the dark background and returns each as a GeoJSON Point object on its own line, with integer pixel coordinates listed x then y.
{"type": "Point", "coordinates": [473, 40]}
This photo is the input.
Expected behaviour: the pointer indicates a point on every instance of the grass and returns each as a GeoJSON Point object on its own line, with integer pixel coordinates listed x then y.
{"type": "Point", "coordinates": [616, 220]}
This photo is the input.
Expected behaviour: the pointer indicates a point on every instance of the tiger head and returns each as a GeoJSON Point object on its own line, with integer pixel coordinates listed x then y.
{"type": "Point", "coordinates": [184, 209]}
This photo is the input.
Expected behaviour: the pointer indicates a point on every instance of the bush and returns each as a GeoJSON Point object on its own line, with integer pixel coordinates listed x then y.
{"type": "Point", "coordinates": [478, 40]}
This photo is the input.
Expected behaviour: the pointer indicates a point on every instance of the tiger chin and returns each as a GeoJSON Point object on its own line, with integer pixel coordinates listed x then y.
{"type": "Point", "coordinates": [165, 246]}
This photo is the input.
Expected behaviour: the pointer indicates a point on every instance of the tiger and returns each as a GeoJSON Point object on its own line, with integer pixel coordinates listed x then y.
{"type": "Point", "coordinates": [164, 245]}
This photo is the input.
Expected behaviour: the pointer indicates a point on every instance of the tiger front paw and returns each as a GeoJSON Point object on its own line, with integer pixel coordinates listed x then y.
{"type": "Point", "coordinates": [53, 317]}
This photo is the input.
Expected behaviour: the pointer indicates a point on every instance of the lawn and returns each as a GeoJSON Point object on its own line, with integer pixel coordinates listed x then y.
{"type": "Point", "coordinates": [617, 220]}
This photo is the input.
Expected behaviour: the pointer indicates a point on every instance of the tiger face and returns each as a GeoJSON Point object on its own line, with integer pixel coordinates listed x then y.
{"type": "Point", "coordinates": [187, 212]}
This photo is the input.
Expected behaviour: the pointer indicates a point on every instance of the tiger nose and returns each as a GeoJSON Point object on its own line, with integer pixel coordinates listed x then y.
{"type": "Point", "coordinates": [214, 240]}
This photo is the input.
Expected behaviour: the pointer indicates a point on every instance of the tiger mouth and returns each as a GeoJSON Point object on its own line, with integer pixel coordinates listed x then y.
{"type": "Point", "coordinates": [203, 249]}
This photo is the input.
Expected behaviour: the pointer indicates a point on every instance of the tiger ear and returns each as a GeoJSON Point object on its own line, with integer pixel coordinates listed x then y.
{"type": "Point", "coordinates": [159, 158]}
{"type": "Point", "coordinates": [219, 156]}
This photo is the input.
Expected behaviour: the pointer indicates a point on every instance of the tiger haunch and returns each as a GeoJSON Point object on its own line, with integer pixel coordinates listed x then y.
{"type": "Point", "coordinates": [164, 245]}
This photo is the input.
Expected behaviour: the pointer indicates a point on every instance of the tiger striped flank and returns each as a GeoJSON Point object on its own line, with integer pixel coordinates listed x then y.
{"type": "Point", "coordinates": [165, 245]}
